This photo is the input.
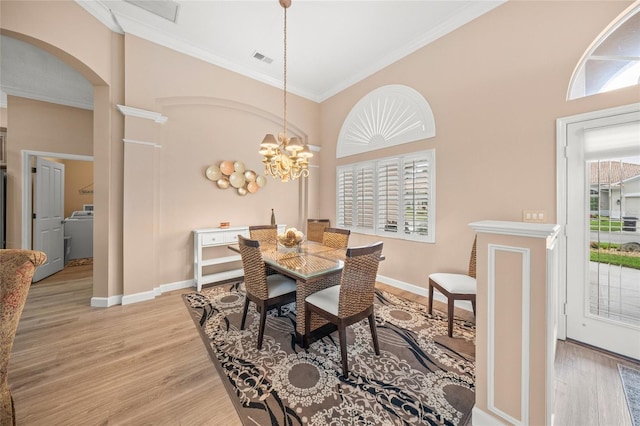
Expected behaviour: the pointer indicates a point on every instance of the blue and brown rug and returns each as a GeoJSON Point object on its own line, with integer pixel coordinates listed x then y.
{"type": "Point", "coordinates": [421, 376]}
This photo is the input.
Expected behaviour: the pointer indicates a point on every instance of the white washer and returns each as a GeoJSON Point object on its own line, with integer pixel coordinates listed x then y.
{"type": "Point", "coordinates": [79, 226]}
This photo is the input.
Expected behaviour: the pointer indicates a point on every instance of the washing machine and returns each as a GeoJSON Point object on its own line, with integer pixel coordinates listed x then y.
{"type": "Point", "coordinates": [78, 232]}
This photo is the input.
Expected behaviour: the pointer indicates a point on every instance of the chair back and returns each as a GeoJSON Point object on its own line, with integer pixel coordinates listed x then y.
{"type": "Point", "coordinates": [255, 275]}
{"type": "Point", "coordinates": [264, 233]}
{"type": "Point", "coordinates": [335, 237]}
{"type": "Point", "coordinates": [358, 280]}
{"type": "Point", "coordinates": [472, 259]}
{"type": "Point", "coordinates": [315, 229]}
{"type": "Point", "coordinates": [16, 271]}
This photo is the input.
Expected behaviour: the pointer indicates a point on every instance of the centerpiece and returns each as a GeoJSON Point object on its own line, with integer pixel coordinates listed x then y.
{"type": "Point", "coordinates": [290, 240]}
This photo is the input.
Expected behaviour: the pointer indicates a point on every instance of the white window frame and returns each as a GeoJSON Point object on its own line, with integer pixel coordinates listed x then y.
{"type": "Point", "coordinates": [377, 228]}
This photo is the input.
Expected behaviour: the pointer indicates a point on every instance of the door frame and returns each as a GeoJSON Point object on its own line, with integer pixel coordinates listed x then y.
{"type": "Point", "coordinates": [27, 189]}
{"type": "Point", "coordinates": [562, 137]}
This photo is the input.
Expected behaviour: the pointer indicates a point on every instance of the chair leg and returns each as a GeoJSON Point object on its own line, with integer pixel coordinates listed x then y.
{"type": "Point", "coordinates": [263, 320]}
{"type": "Point", "coordinates": [307, 325]}
{"type": "Point", "coordinates": [430, 298]}
{"type": "Point", "coordinates": [374, 333]}
{"type": "Point", "coordinates": [473, 305]}
{"type": "Point", "coordinates": [450, 302]}
{"type": "Point", "coordinates": [342, 334]}
{"type": "Point", "coordinates": [244, 312]}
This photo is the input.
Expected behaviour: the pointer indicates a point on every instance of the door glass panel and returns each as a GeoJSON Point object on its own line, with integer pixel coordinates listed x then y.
{"type": "Point", "coordinates": [614, 267]}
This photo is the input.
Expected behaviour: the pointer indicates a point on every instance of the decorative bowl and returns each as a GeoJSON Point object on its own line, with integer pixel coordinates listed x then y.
{"type": "Point", "coordinates": [290, 239]}
{"type": "Point", "coordinates": [224, 224]}
{"type": "Point", "coordinates": [288, 242]}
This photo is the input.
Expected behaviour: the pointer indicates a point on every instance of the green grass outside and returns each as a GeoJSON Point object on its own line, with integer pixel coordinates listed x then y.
{"type": "Point", "coordinates": [613, 258]}
{"type": "Point", "coordinates": [605, 225]}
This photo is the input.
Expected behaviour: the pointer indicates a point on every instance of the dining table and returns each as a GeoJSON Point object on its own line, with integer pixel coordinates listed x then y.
{"type": "Point", "coordinates": [314, 267]}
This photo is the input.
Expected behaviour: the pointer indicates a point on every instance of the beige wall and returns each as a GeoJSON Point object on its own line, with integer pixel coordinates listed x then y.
{"type": "Point", "coordinates": [67, 31]}
{"type": "Point", "coordinates": [213, 115]}
{"type": "Point", "coordinates": [496, 87]}
{"type": "Point", "coordinates": [43, 127]}
{"type": "Point", "coordinates": [3, 117]}
{"type": "Point", "coordinates": [78, 185]}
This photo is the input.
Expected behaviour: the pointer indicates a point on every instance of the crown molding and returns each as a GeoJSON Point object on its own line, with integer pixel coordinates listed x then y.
{"type": "Point", "coordinates": [102, 13]}
{"type": "Point", "coordinates": [456, 21]}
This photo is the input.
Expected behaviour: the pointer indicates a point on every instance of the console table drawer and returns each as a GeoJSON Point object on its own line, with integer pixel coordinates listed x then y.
{"type": "Point", "coordinates": [212, 239]}
{"type": "Point", "coordinates": [232, 237]}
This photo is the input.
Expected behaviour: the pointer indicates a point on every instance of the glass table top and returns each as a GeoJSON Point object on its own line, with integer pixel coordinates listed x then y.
{"type": "Point", "coordinates": [311, 260]}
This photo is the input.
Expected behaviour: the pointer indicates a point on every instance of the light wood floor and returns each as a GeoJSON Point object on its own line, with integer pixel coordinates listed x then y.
{"type": "Point", "coordinates": [146, 364]}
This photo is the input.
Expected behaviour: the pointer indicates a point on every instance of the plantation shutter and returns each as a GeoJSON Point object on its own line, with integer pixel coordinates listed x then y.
{"type": "Point", "coordinates": [388, 196]}
{"type": "Point", "coordinates": [392, 197]}
{"type": "Point", "coordinates": [416, 195]}
{"type": "Point", "coordinates": [345, 198]}
{"type": "Point", "coordinates": [365, 197]}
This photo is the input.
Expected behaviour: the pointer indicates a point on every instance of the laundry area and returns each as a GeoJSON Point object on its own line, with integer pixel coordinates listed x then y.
{"type": "Point", "coordinates": [78, 210]}
{"type": "Point", "coordinates": [78, 235]}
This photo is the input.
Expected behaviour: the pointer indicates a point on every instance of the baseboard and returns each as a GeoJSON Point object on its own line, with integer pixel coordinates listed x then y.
{"type": "Point", "coordinates": [150, 295]}
{"type": "Point", "coordinates": [421, 291]}
{"type": "Point", "coordinates": [105, 302]}
{"type": "Point", "coordinates": [482, 418]}
{"type": "Point", "coordinates": [128, 299]}
{"type": "Point", "coordinates": [412, 288]}
{"type": "Point", "coordinates": [178, 285]}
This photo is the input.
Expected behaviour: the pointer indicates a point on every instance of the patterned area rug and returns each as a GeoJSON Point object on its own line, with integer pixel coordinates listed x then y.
{"type": "Point", "coordinates": [420, 377]}
{"type": "Point", "coordinates": [631, 384]}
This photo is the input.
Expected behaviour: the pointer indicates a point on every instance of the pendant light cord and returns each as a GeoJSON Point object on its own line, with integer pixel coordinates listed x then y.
{"type": "Point", "coordinates": [285, 78]}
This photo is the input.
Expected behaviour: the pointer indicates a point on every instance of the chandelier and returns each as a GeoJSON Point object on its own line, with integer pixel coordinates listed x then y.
{"type": "Point", "coordinates": [285, 158]}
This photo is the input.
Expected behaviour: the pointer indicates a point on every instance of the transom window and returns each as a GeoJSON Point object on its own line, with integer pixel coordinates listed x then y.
{"type": "Point", "coordinates": [392, 197]}
{"type": "Point", "coordinates": [613, 60]}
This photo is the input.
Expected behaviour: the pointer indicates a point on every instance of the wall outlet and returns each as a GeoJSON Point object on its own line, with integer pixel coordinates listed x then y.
{"type": "Point", "coordinates": [537, 216]}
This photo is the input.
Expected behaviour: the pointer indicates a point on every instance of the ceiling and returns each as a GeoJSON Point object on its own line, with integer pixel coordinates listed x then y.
{"type": "Point", "coordinates": [330, 44]}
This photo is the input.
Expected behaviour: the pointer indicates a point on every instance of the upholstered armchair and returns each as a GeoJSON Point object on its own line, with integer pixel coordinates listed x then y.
{"type": "Point", "coordinates": [16, 271]}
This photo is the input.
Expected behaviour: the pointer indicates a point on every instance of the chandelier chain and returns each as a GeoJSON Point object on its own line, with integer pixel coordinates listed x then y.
{"type": "Point", "coordinates": [284, 124]}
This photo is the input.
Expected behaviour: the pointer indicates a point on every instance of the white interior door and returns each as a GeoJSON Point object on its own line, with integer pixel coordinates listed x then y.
{"type": "Point", "coordinates": [48, 231]}
{"type": "Point", "coordinates": [603, 299]}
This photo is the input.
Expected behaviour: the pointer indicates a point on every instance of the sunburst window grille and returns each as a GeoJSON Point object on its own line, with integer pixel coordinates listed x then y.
{"type": "Point", "coordinates": [390, 115]}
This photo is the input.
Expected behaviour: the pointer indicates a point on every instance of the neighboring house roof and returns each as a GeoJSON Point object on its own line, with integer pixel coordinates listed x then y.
{"type": "Point", "coordinates": [613, 172]}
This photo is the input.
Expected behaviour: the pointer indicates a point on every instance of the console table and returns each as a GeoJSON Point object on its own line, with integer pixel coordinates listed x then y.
{"type": "Point", "coordinates": [212, 237]}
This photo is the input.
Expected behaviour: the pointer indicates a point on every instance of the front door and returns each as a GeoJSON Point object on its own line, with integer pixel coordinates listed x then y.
{"type": "Point", "coordinates": [603, 279]}
{"type": "Point", "coordinates": [48, 231]}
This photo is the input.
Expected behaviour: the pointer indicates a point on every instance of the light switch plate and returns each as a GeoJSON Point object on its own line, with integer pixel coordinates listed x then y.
{"type": "Point", "coordinates": [536, 216]}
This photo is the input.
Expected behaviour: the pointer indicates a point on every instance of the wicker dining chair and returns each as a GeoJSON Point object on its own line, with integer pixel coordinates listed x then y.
{"type": "Point", "coordinates": [352, 300]}
{"type": "Point", "coordinates": [315, 229]}
{"type": "Point", "coordinates": [455, 287]}
{"type": "Point", "coordinates": [266, 291]}
{"type": "Point", "coordinates": [264, 233]}
{"type": "Point", "coordinates": [335, 237]}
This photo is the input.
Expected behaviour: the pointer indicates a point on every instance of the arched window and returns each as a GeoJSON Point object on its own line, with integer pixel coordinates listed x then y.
{"type": "Point", "coordinates": [392, 197]}
{"type": "Point", "coordinates": [390, 115]}
{"type": "Point", "coordinates": [613, 59]}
